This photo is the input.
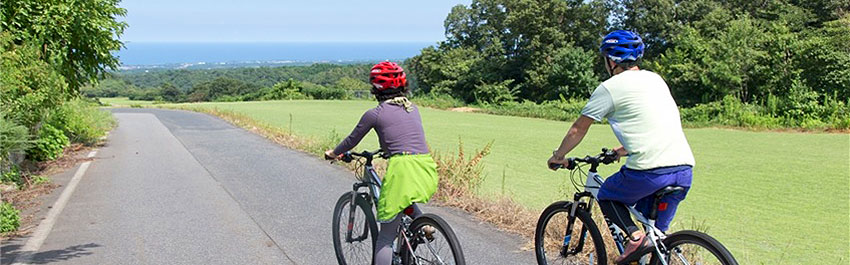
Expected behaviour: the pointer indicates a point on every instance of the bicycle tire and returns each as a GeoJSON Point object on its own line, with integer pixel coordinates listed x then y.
{"type": "Point", "coordinates": [443, 227]}
{"type": "Point", "coordinates": [369, 223]}
{"type": "Point", "coordinates": [698, 238]}
{"type": "Point", "coordinates": [587, 222]}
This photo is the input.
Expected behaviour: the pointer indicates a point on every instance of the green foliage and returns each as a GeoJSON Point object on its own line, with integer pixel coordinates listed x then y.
{"type": "Point", "coordinates": [496, 49]}
{"type": "Point", "coordinates": [78, 37]}
{"type": "Point", "coordinates": [29, 87]}
{"type": "Point", "coordinates": [449, 72]}
{"type": "Point", "coordinates": [350, 83]}
{"type": "Point", "coordinates": [171, 93]}
{"type": "Point", "coordinates": [322, 74]}
{"type": "Point", "coordinates": [494, 93]}
{"type": "Point", "coordinates": [220, 89]}
{"type": "Point", "coordinates": [439, 101]}
{"type": "Point", "coordinates": [289, 90]}
{"type": "Point", "coordinates": [562, 110]}
{"type": "Point", "coordinates": [81, 121]}
{"type": "Point", "coordinates": [568, 72]}
{"type": "Point", "coordinates": [319, 81]}
{"type": "Point", "coordinates": [9, 217]}
{"type": "Point", "coordinates": [12, 175]}
{"type": "Point", "coordinates": [50, 144]}
{"type": "Point", "coordinates": [729, 112]}
{"type": "Point", "coordinates": [39, 179]}
{"type": "Point", "coordinates": [824, 58]}
{"type": "Point", "coordinates": [322, 92]}
{"type": "Point", "coordinates": [508, 55]}
{"type": "Point", "coordinates": [13, 138]}
{"type": "Point", "coordinates": [110, 87]}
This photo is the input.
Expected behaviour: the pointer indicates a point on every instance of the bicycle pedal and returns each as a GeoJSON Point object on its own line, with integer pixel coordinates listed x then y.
{"type": "Point", "coordinates": [429, 232]}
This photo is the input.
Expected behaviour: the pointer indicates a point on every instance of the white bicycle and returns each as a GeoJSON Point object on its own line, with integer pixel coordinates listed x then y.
{"type": "Point", "coordinates": [567, 234]}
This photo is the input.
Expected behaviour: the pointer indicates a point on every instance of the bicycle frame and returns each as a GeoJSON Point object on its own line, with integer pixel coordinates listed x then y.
{"type": "Point", "coordinates": [373, 182]}
{"type": "Point", "coordinates": [591, 190]}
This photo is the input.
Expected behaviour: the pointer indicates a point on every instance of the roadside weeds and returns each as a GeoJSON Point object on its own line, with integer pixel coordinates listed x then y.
{"type": "Point", "coordinates": [29, 199]}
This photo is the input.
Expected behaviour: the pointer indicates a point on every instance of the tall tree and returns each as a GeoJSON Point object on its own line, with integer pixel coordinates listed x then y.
{"type": "Point", "coordinates": [78, 36]}
{"type": "Point", "coordinates": [496, 49]}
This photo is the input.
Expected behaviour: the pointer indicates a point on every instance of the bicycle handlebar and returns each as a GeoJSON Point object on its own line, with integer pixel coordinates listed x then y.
{"type": "Point", "coordinates": [606, 157]}
{"type": "Point", "coordinates": [347, 157]}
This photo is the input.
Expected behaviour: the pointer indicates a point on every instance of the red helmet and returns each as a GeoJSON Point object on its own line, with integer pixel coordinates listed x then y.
{"type": "Point", "coordinates": [387, 75]}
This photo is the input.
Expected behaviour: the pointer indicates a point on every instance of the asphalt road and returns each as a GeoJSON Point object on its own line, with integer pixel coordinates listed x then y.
{"type": "Point", "coordinates": [176, 187]}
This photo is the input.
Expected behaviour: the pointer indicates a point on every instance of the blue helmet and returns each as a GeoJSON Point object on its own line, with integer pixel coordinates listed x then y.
{"type": "Point", "coordinates": [622, 46]}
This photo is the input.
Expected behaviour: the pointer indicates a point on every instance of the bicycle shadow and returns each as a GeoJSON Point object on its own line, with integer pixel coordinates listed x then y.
{"type": "Point", "coordinates": [12, 252]}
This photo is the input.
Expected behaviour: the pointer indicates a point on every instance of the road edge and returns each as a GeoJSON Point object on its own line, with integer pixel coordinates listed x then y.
{"type": "Point", "coordinates": [37, 238]}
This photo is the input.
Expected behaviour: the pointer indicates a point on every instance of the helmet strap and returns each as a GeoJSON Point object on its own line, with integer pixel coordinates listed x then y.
{"type": "Point", "coordinates": [608, 67]}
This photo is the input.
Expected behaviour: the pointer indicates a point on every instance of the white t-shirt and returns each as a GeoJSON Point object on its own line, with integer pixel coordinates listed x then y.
{"type": "Point", "coordinates": [644, 117]}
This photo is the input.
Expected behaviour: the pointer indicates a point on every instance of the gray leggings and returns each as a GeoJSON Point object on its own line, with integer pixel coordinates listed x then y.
{"type": "Point", "coordinates": [389, 231]}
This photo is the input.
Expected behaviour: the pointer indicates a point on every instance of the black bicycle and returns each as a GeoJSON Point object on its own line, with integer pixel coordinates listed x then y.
{"type": "Point", "coordinates": [567, 233]}
{"type": "Point", "coordinates": [427, 239]}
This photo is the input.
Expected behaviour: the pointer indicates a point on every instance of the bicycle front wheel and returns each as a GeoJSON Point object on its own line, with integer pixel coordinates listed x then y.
{"type": "Point", "coordinates": [433, 242]}
{"type": "Point", "coordinates": [564, 239]}
{"type": "Point", "coordinates": [695, 248]}
{"type": "Point", "coordinates": [354, 230]}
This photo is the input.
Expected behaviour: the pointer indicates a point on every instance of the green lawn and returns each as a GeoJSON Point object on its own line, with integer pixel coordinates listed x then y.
{"type": "Point", "coordinates": [770, 197]}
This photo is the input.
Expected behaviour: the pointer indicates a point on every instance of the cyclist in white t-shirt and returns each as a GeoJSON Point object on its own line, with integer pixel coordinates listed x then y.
{"type": "Point", "coordinates": [645, 119]}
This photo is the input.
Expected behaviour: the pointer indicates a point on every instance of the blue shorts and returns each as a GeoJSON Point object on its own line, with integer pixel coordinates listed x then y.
{"type": "Point", "coordinates": [636, 187]}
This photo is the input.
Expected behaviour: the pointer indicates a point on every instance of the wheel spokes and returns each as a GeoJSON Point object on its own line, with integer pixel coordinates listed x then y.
{"type": "Point", "coordinates": [356, 247]}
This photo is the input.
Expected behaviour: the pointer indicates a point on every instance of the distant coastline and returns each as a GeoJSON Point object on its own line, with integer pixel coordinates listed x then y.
{"type": "Point", "coordinates": [152, 55]}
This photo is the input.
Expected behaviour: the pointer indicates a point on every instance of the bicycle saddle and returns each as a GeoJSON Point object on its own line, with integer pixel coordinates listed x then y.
{"type": "Point", "coordinates": [668, 190]}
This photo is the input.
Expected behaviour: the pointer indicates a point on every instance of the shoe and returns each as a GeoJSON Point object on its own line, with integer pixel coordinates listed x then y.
{"type": "Point", "coordinates": [632, 247]}
{"type": "Point", "coordinates": [429, 232]}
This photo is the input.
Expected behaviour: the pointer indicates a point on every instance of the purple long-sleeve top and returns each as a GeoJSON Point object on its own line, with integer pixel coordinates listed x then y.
{"type": "Point", "coordinates": [398, 131]}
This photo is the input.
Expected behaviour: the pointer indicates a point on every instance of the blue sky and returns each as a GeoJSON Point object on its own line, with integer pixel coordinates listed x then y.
{"type": "Point", "coordinates": [286, 21]}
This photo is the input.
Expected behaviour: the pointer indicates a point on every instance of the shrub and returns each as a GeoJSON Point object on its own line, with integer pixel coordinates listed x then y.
{"type": "Point", "coordinates": [561, 110]}
{"type": "Point", "coordinates": [323, 92]}
{"type": "Point", "coordinates": [228, 98]}
{"type": "Point", "coordinates": [81, 121]}
{"type": "Point", "coordinates": [12, 175]}
{"type": "Point", "coordinates": [9, 217]}
{"type": "Point", "coordinates": [13, 138]}
{"type": "Point", "coordinates": [288, 90]}
{"type": "Point", "coordinates": [460, 176]}
{"type": "Point", "coordinates": [29, 87]}
{"type": "Point", "coordinates": [437, 101]}
{"type": "Point", "coordinates": [49, 145]}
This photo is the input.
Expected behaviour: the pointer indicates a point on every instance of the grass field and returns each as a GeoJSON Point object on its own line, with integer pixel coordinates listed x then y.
{"type": "Point", "coordinates": [770, 197]}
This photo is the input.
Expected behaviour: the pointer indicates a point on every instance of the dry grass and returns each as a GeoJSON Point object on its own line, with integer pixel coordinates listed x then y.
{"type": "Point", "coordinates": [27, 198]}
{"type": "Point", "coordinates": [460, 177]}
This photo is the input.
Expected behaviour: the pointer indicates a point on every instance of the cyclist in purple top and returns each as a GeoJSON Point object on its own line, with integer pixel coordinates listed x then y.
{"type": "Point", "coordinates": [411, 172]}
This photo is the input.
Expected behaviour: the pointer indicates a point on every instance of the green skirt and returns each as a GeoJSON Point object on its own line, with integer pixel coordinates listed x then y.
{"type": "Point", "coordinates": [409, 179]}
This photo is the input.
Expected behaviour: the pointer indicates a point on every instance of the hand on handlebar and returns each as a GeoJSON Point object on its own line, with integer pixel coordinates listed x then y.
{"type": "Point", "coordinates": [556, 163]}
{"type": "Point", "coordinates": [620, 152]}
{"type": "Point", "coordinates": [329, 155]}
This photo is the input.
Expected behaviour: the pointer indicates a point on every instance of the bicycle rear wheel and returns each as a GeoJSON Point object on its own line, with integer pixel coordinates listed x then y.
{"type": "Point", "coordinates": [695, 248]}
{"type": "Point", "coordinates": [356, 249]}
{"type": "Point", "coordinates": [440, 246]}
{"type": "Point", "coordinates": [564, 239]}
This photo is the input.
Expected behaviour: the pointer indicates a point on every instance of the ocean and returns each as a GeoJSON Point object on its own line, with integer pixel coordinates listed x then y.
{"type": "Point", "coordinates": [142, 53]}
